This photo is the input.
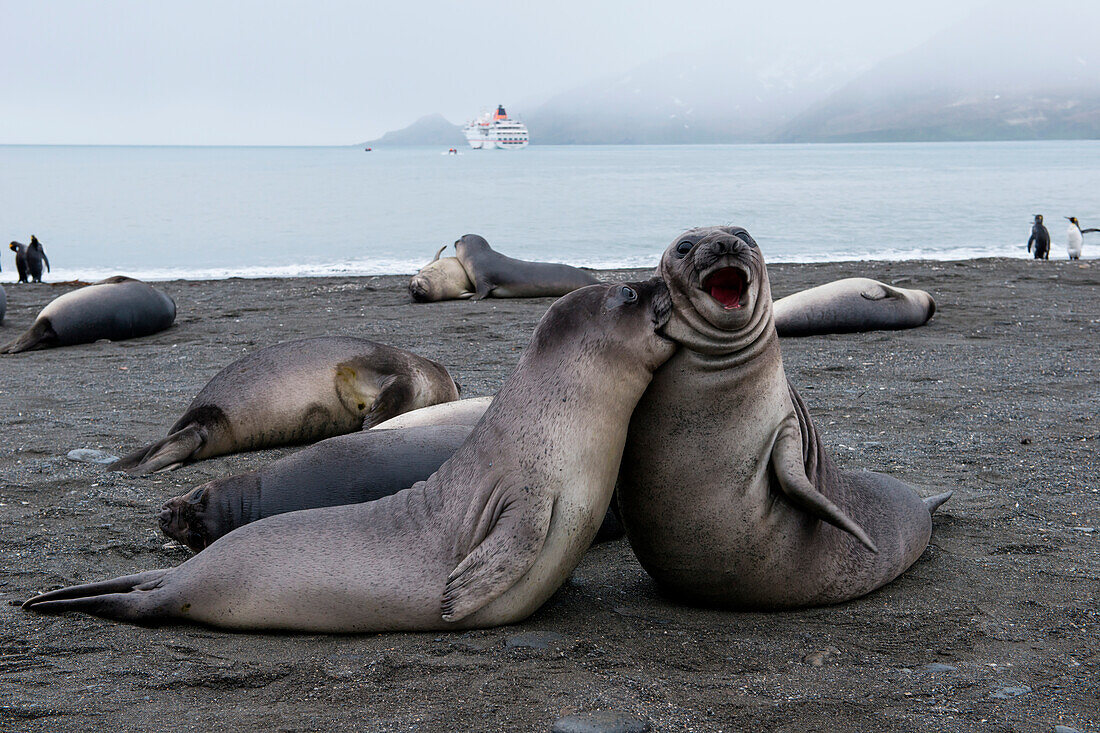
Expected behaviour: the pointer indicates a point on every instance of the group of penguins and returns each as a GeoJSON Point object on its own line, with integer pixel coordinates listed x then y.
{"type": "Point", "coordinates": [29, 259]}
{"type": "Point", "coordinates": [1039, 243]}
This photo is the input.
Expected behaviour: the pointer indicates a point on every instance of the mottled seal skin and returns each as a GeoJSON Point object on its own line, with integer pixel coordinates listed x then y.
{"type": "Point", "coordinates": [483, 542]}
{"type": "Point", "coordinates": [851, 305]}
{"type": "Point", "coordinates": [296, 392]}
{"type": "Point", "coordinates": [726, 491]}
{"type": "Point", "coordinates": [441, 279]}
{"type": "Point", "coordinates": [116, 308]}
{"type": "Point", "coordinates": [348, 469]}
{"type": "Point", "coordinates": [459, 412]}
{"type": "Point", "coordinates": [497, 276]}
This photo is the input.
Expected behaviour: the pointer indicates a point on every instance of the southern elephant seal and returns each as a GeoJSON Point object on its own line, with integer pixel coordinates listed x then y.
{"type": "Point", "coordinates": [459, 412]}
{"type": "Point", "coordinates": [498, 276]}
{"type": "Point", "coordinates": [726, 492]}
{"type": "Point", "coordinates": [441, 279]}
{"type": "Point", "coordinates": [851, 305]}
{"type": "Point", "coordinates": [483, 542]}
{"type": "Point", "coordinates": [116, 308]}
{"type": "Point", "coordinates": [296, 392]}
{"type": "Point", "coordinates": [347, 469]}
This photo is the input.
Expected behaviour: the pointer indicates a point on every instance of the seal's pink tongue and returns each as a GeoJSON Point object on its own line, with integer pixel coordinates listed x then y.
{"type": "Point", "coordinates": [725, 286]}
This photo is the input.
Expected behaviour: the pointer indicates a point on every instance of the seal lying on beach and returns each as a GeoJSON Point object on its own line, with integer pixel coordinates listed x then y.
{"type": "Point", "coordinates": [851, 305]}
{"type": "Point", "coordinates": [483, 542]}
{"type": "Point", "coordinates": [441, 279]}
{"type": "Point", "coordinates": [116, 308]}
{"type": "Point", "coordinates": [296, 392]}
{"type": "Point", "coordinates": [495, 275]}
{"type": "Point", "coordinates": [347, 469]}
{"type": "Point", "coordinates": [459, 412]}
{"type": "Point", "coordinates": [726, 492]}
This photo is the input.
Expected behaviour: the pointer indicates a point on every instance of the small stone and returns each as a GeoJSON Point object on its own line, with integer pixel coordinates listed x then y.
{"type": "Point", "coordinates": [90, 455]}
{"type": "Point", "coordinates": [1086, 530]}
{"type": "Point", "coordinates": [1065, 729]}
{"type": "Point", "coordinates": [534, 640]}
{"type": "Point", "coordinates": [1025, 440]}
{"type": "Point", "coordinates": [819, 657]}
{"type": "Point", "coordinates": [600, 721]}
{"type": "Point", "coordinates": [936, 667]}
{"type": "Point", "coordinates": [1006, 692]}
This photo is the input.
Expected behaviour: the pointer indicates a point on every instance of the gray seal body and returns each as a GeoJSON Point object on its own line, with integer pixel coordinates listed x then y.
{"type": "Point", "coordinates": [726, 491]}
{"type": "Point", "coordinates": [441, 279]}
{"type": "Point", "coordinates": [348, 469]}
{"type": "Point", "coordinates": [485, 541]}
{"type": "Point", "coordinates": [116, 308]}
{"type": "Point", "coordinates": [495, 275]}
{"type": "Point", "coordinates": [851, 305]}
{"type": "Point", "coordinates": [296, 392]}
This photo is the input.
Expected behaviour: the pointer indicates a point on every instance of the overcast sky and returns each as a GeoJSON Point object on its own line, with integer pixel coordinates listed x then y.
{"type": "Point", "coordinates": [334, 73]}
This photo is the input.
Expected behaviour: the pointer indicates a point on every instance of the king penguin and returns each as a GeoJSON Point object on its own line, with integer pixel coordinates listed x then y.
{"type": "Point", "coordinates": [1075, 239]}
{"type": "Point", "coordinates": [1040, 237]}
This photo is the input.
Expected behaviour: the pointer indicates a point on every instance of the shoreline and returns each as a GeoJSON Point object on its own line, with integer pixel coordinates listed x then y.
{"type": "Point", "coordinates": [994, 627]}
{"type": "Point", "coordinates": [333, 271]}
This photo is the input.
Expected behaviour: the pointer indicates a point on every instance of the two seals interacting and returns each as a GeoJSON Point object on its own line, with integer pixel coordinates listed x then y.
{"type": "Point", "coordinates": [296, 392]}
{"type": "Point", "coordinates": [851, 305]}
{"type": "Point", "coordinates": [116, 308]}
{"type": "Point", "coordinates": [29, 259]}
{"type": "Point", "coordinates": [726, 492]}
{"type": "Point", "coordinates": [441, 279]}
{"type": "Point", "coordinates": [483, 542]}
{"type": "Point", "coordinates": [498, 276]}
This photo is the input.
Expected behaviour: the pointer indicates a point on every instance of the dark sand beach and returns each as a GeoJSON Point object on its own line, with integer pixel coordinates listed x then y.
{"type": "Point", "coordinates": [995, 628]}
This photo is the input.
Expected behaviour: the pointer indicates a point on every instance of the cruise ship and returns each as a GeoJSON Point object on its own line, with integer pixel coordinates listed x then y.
{"type": "Point", "coordinates": [496, 131]}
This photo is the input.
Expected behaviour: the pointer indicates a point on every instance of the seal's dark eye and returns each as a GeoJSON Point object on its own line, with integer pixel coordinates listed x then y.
{"type": "Point", "coordinates": [683, 248]}
{"type": "Point", "coordinates": [628, 295]}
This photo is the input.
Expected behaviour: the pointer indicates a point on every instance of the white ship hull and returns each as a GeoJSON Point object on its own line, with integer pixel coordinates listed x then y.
{"type": "Point", "coordinates": [496, 132]}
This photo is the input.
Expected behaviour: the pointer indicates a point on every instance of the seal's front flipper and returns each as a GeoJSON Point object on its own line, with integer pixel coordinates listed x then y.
{"type": "Point", "coordinates": [175, 449]}
{"type": "Point", "coordinates": [503, 557]}
{"type": "Point", "coordinates": [394, 398]}
{"type": "Point", "coordinates": [935, 502]}
{"type": "Point", "coordinates": [877, 291]}
{"type": "Point", "coordinates": [791, 474]}
{"type": "Point", "coordinates": [483, 289]}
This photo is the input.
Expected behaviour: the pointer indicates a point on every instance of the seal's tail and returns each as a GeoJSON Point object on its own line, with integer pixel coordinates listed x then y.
{"type": "Point", "coordinates": [173, 450]}
{"type": "Point", "coordinates": [935, 502]}
{"type": "Point", "coordinates": [128, 598]}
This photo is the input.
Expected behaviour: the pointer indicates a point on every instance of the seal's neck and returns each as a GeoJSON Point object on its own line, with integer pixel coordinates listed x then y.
{"type": "Point", "coordinates": [727, 349]}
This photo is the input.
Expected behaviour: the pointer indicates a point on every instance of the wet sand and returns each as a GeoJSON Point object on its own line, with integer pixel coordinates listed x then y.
{"type": "Point", "coordinates": [995, 628]}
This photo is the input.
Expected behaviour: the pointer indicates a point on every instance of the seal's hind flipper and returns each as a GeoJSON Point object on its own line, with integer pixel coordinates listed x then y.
{"type": "Point", "coordinates": [175, 449]}
{"type": "Point", "coordinates": [509, 549]}
{"type": "Point", "coordinates": [119, 598]}
{"type": "Point", "coordinates": [935, 502]}
{"type": "Point", "coordinates": [39, 336]}
{"type": "Point", "coordinates": [791, 474]}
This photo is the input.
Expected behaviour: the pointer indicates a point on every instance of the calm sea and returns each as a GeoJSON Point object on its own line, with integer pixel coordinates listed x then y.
{"type": "Point", "coordinates": [167, 212]}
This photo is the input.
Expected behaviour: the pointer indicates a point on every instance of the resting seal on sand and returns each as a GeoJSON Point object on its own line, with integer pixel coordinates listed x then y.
{"type": "Point", "coordinates": [726, 492]}
{"type": "Point", "coordinates": [483, 542]}
{"type": "Point", "coordinates": [116, 308]}
{"type": "Point", "coordinates": [347, 469]}
{"type": "Point", "coordinates": [296, 392]}
{"type": "Point", "coordinates": [459, 412]}
{"type": "Point", "coordinates": [441, 279]}
{"type": "Point", "coordinates": [498, 276]}
{"type": "Point", "coordinates": [851, 305]}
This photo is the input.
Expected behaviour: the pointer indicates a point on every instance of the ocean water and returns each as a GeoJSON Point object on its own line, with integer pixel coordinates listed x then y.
{"type": "Point", "coordinates": [195, 212]}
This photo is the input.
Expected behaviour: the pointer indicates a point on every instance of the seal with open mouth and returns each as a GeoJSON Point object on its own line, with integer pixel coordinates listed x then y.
{"type": "Point", "coordinates": [725, 489]}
